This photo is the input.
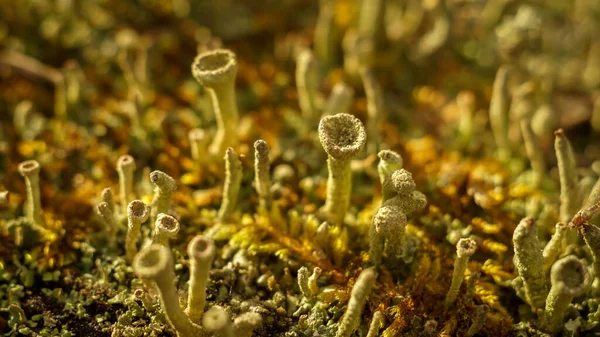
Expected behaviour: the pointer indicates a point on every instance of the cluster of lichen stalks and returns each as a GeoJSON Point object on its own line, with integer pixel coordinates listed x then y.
{"type": "Point", "coordinates": [342, 136]}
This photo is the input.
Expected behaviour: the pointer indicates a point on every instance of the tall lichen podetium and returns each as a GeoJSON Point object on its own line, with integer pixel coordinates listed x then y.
{"type": "Point", "coordinates": [590, 232]}
{"type": "Point", "coordinates": [499, 104]}
{"type": "Point", "coordinates": [342, 137]}
{"type": "Point", "coordinates": [554, 247]}
{"type": "Point", "coordinates": [262, 175]}
{"type": "Point", "coordinates": [166, 228]}
{"type": "Point", "coordinates": [137, 213]}
{"type": "Point", "coordinates": [125, 168]}
{"type": "Point", "coordinates": [358, 297]}
{"type": "Point", "coordinates": [464, 249]}
{"type": "Point", "coordinates": [216, 71]}
{"type": "Point", "coordinates": [570, 279]}
{"type": "Point", "coordinates": [569, 188]}
{"type": "Point", "coordinates": [307, 82]}
{"type": "Point", "coordinates": [164, 187]}
{"type": "Point", "coordinates": [30, 170]}
{"type": "Point", "coordinates": [529, 262]}
{"type": "Point", "coordinates": [201, 251]}
{"type": "Point", "coordinates": [155, 263]}
{"type": "Point", "coordinates": [231, 187]}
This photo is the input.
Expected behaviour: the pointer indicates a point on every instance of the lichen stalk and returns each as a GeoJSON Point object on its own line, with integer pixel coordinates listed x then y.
{"type": "Point", "coordinates": [198, 144]}
{"type": "Point", "coordinates": [30, 170]}
{"type": "Point", "coordinates": [108, 217]}
{"type": "Point", "coordinates": [312, 281]}
{"type": "Point", "coordinates": [155, 263]}
{"type": "Point", "coordinates": [166, 228]}
{"type": "Point", "coordinates": [375, 107]}
{"type": "Point", "coordinates": [389, 225]}
{"type": "Point", "coordinates": [499, 104]}
{"type": "Point", "coordinates": [554, 247]}
{"type": "Point", "coordinates": [342, 137]}
{"type": "Point", "coordinates": [231, 187]}
{"type": "Point", "coordinates": [262, 175]}
{"type": "Point", "coordinates": [389, 161]}
{"type": "Point", "coordinates": [534, 154]}
{"type": "Point", "coordinates": [358, 297]}
{"type": "Point", "coordinates": [464, 249]}
{"type": "Point", "coordinates": [340, 99]}
{"type": "Point", "coordinates": [478, 320]}
{"type": "Point", "coordinates": [376, 324]}
{"type": "Point", "coordinates": [303, 281]}
{"type": "Point", "coordinates": [137, 213]}
{"type": "Point", "coordinates": [570, 279]}
{"type": "Point", "coordinates": [307, 82]}
{"type": "Point", "coordinates": [107, 196]}
{"type": "Point", "coordinates": [216, 71]}
{"type": "Point", "coordinates": [569, 188]}
{"type": "Point", "coordinates": [529, 262]}
{"type": "Point", "coordinates": [164, 187]}
{"type": "Point", "coordinates": [201, 251]}
{"type": "Point", "coordinates": [125, 168]}
{"type": "Point", "coordinates": [326, 32]}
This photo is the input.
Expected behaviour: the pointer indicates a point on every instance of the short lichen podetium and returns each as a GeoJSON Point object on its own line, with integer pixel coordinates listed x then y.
{"type": "Point", "coordinates": [529, 262]}
{"type": "Point", "coordinates": [155, 263]}
{"type": "Point", "coordinates": [569, 188]}
{"type": "Point", "coordinates": [201, 251]}
{"type": "Point", "coordinates": [125, 168]}
{"type": "Point", "coordinates": [245, 324]}
{"type": "Point", "coordinates": [216, 320]}
{"type": "Point", "coordinates": [216, 71]}
{"type": "Point", "coordinates": [389, 225]}
{"type": "Point", "coordinates": [137, 213]}
{"type": "Point", "coordinates": [262, 175]}
{"type": "Point", "coordinates": [376, 324]}
{"type": "Point", "coordinates": [534, 153]}
{"type": "Point", "coordinates": [107, 197]}
{"type": "Point", "coordinates": [30, 170]}
{"type": "Point", "coordinates": [342, 137]}
{"type": "Point", "coordinates": [164, 187]}
{"type": "Point", "coordinates": [198, 145]}
{"type": "Point", "coordinates": [464, 249]}
{"type": "Point", "coordinates": [166, 228]}
{"type": "Point", "coordinates": [231, 187]}
{"type": "Point", "coordinates": [389, 161]}
{"type": "Point", "coordinates": [358, 297]}
{"type": "Point", "coordinates": [570, 279]}
{"type": "Point", "coordinates": [307, 83]}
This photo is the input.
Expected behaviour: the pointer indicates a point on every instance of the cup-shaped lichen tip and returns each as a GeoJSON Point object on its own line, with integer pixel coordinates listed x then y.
{"type": "Point", "coordinates": [137, 212]}
{"type": "Point", "coordinates": [466, 247]}
{"type": "Point", "coordinates": [166, 227]}
{"type": "Point", "coordinates": [29, 168]}
{"type": "Point", "coordinates": [214, 67]}
{"type": "Point", "coordinates": [571, 275]}
{"type": "Point", "coordinates": [152, 261]}
{"type": "Point", "coordinates": [201, 249]}
{"type": "Point", "coordinates": [342, 136]}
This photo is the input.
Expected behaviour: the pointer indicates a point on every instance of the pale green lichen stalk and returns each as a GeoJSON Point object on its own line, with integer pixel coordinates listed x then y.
{"type": "Point", "coordinates": [529, 262]}
{"type": "Point", "coordinates": [216, 320]}
{"type": "Point", "coordinates": [262, 175]}
{"type": "Point", "coordinates": [125, 168]}
{"type": "Point", "coordinates": [388, 226]}
{"type": "Point", "coordinates": [164, 187]}
{"type": "Point", "coordinates": [499, 104]}
{"type": "Point", "coordinates": [554, 247]}
{"type": "Point", "coordinates": [303, 281]}
{"type": "Point", "coordinates": [340, 99]}
{"type": "Point", "coordinates": [216, 71]}
{"type": "Point", "coordinates": [166, 228]}
{"type": "Point", "coordinates": [478, 320]}
{"type": "Point", "coordinates": [155, 263]}
{"type": "Point", "coordinates": [108, 217]}
{"type": "Point", "coordinates": [231, 187]}
{"type": "Point", "coordinates": [312, 281]}
{"type": "Point", "coordinates": [464, 249]}
{"type": "Point", "coordinates": [107, 197]}
{"type": "Point", "coordinates": [307, 82]}
{"type": "Point", "coordinates": [201, 251]}
{"type": "Point", "coordinates": [375, 107]}
{"type": "Point", "coordinates": [198, 145]}
{"type": "Point", "coordinates": [358, 297]}
{"type": "Point", "coordinates": [570, 279]}
{"type": "Point", "coordinates": [342, 137]}
{"type": "Point", "coordinates": [389, 161]}
{"type": "Point", "coordinates": [534, 153]}
{"type": "Point", "coordinates": [376, 324]}
{"type": "Point", "coordinates": [137, 213]}
{"type": "Point", "coordinates": [30, 170]}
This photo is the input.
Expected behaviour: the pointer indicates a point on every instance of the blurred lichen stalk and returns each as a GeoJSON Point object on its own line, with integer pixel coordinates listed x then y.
{"type": "Point", "coordinates": [299, 168]}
